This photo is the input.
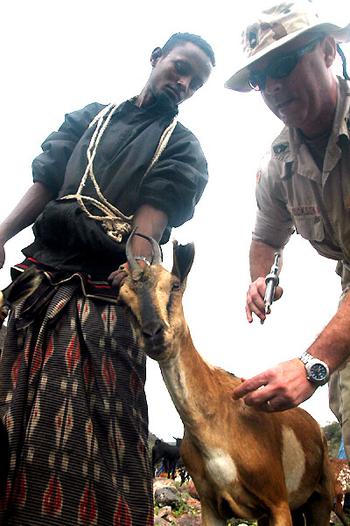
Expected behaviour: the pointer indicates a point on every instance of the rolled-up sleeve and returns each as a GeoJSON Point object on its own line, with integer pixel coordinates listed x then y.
{"type": "Point", "coordinates": [273, 224]}
{"type": "Point", "coordinates": [49, 167]}
{"type": "Point", "coordinates": [177, 181]}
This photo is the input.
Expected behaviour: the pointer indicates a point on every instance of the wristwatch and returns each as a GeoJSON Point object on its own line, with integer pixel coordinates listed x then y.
{"type": "Point", "coordinates": [317, 372]}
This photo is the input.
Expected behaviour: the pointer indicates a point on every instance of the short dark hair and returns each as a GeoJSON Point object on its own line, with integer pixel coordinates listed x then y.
{"type": "Point", "coordinates": [179, 38]}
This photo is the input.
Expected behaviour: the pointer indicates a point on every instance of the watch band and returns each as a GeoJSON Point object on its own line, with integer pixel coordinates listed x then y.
{"type": "Point", "coordinates": [306, 357]}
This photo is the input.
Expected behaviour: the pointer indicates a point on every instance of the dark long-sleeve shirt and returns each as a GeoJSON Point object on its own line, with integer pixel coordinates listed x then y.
{"type": "Point", "coordinates": [65, 238]}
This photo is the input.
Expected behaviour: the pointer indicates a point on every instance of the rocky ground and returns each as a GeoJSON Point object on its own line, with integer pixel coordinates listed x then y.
{"type": "Point", "coordinates": [179, 505]}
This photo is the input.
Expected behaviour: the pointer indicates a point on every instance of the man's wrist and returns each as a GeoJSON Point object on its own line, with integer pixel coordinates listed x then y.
{"type": "Point", "coordinates": [317, 371]}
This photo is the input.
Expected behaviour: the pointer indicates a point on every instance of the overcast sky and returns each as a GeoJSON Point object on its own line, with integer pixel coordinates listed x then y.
{"type": "Point", "coordinates": [59, 56]}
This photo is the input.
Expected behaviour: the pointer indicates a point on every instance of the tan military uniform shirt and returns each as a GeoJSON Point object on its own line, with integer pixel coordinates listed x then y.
{"type": "Point", "coordinates": [293, 194]}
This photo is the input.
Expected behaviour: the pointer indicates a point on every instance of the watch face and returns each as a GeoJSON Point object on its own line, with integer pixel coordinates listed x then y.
{"type": "Point", "coordinates": [318, 372]}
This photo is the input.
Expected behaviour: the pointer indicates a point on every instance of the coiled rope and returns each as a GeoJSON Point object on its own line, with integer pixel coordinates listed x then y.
{"type": "Point", "coordinates": [114, 222]}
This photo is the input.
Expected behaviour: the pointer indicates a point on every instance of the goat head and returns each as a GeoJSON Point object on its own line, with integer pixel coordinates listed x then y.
{"type": "Point", "coordinates": [154, 297]}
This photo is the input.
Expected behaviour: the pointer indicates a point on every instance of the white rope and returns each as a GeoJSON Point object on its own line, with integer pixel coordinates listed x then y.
{"type": "Point", "coordinates": [114, 221]}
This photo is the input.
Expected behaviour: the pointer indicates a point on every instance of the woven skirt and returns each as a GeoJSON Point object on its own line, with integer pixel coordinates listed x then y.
{"type": "Point", "coordinates": [72, 400]}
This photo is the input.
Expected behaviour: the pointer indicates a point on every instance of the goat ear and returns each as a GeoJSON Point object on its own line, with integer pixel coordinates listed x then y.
{"type": "Point", "coordinates": [183, 256]}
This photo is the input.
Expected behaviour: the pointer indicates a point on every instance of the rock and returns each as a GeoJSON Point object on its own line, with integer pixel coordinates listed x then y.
{"type": "Point", "coordinates": [165, 517]}
{"type": "Point", "coordinates": [166, 496]}
{"type": "Point", "coordinates": [162, 483]}
{"type": "Point", "coordinates": [160, 522]}
{"type": "Point", "coordinates": [193, 503]}
{"type": "Point", "coordinates": [191, 488]}
{"type": "Point", "coordinates": [163, 512]}
{"type": "Point", "coordinates": [189, 520]}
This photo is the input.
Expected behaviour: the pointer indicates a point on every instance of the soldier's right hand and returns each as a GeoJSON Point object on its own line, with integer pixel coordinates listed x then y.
{"type": "Point", "coordinates": [255, 299]}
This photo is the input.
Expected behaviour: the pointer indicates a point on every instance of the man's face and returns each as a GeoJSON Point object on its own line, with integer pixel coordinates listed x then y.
{"type": "Point", "coordinates": [178, 75]}
{"type": "Point", "coordinates": [300, 98]}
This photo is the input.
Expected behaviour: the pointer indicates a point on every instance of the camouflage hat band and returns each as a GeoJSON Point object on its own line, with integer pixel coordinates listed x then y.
{"type": "Point", "coordinates": [276, 27]}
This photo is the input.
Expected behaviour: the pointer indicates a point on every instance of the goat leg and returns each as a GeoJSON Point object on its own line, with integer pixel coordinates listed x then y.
{"type": "Point", "coordinates": [280, 515]}
{"type": "Point", "coordinates": [209, 517]}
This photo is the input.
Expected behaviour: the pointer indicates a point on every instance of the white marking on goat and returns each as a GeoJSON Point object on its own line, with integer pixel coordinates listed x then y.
{"type": "Point", "coordinates": [293, 459]}
{"type": "Point", "coordinates": [174, 376]}
{"type": "Point", "coordinates": [221, 467]}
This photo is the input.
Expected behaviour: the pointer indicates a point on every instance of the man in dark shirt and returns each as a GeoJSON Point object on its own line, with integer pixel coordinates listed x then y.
{"type": "Point", "coordinates": [71, 376]}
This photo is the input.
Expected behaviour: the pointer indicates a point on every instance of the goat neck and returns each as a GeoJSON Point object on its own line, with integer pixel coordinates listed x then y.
{"type": "Point", "coordinates": [191, 382]}
{"type": "Point", "coordinates": [155, 301]}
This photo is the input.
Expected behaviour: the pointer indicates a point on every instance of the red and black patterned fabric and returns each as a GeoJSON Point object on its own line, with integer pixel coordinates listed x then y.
{"type": "Point", "coordinates": [72, 399]}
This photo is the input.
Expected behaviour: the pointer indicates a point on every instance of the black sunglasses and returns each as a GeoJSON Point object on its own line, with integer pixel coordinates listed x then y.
{"type": "Point", "coordinates": [281, 67]}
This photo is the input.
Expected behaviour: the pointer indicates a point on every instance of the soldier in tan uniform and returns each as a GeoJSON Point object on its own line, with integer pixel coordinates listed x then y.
{"type": "Point", "coordinates": [303, 186]}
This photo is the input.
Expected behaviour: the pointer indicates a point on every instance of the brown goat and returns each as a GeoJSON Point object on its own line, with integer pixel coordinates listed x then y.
{"type": "Point", "coordinates": [341, 473]}
{"type": "Point", "coordinates": [247, 464]}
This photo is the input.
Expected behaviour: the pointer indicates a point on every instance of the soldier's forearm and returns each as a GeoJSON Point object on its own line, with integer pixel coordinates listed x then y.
{"type": "Point", "coordinates": [261, 257]}
{"type": "Point", "coordinates": [333, 343]}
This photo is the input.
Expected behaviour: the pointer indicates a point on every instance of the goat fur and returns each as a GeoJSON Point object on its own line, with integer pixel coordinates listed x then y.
{"type": "Point", "coordinates": [341, 473]}
{"type": "Point", "coordinates": [247, 464]}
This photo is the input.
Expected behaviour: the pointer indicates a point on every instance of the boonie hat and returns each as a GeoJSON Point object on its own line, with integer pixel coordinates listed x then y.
{"type": "Point", "coordinates": [275, 27]}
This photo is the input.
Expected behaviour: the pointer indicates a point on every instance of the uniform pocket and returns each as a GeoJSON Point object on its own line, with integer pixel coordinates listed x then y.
{"type": "Point", "coordinates": [310, 228]}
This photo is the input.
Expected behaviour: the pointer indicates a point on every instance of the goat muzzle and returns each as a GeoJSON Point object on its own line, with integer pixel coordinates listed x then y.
{"type": "Point", "coordinates": [153, 338]}
{"type": "Point", "coordinates": [153, 330]}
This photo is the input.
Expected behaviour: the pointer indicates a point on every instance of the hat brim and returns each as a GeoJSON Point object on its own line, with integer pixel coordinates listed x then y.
{"type": "Point", "coordinates": [239, 80]}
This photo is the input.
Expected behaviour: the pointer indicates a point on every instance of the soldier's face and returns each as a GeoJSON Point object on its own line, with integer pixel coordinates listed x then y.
{"type": "Point", "coordinates": [300, 98]}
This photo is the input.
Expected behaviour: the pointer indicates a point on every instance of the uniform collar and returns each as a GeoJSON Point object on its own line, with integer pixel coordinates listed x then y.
{"type": "Point", "coordinates": [342, 115]}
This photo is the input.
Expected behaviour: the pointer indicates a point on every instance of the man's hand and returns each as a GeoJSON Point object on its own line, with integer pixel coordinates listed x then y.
{"type": "Point", "coordinates": [255, 299]}
{"type": "Point", "coordinates": [117, 276]}
{"type": "Point", "coordinates": [282, 387]}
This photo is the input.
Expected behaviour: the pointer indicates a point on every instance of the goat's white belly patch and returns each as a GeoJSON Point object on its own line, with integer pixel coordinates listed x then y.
{"type": "Point", "coordinates": [293, 458]}
{"type": "Point", "coordinates": [221, 467]}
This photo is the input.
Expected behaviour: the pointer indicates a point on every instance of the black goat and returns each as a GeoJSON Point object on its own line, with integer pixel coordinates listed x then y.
{"type": "Point", "coordinates": [168, 453]}
{"type": "Point", "coordinates": [184, 474]}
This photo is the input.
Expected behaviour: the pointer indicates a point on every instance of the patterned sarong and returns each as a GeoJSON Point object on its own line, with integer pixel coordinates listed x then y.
{"type": "Point", "coordinates": [72, 399]}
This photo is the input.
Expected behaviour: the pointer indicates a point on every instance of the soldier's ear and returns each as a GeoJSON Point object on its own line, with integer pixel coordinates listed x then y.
{"type": "Point", "coordinates": [330, 51]}
{"type": "Point", "coordinates": [155, 56]}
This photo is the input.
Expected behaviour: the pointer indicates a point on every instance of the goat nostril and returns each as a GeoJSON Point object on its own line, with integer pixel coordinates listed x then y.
{"type": "Point", "coordinates": [152, 329]}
